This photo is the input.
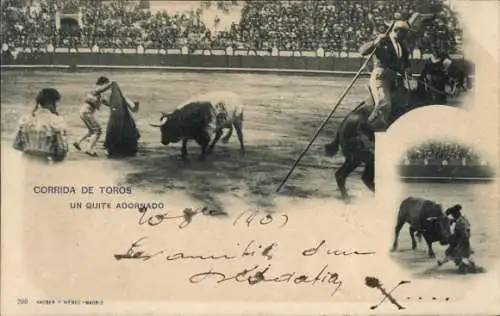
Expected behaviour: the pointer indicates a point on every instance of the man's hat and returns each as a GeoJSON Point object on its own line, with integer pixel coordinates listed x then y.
{"type": "Point", "coordinates": [398, 24]}
{"type": "Point", "coordinates": [454, 209]}
{"type": "Point", "coordinates": [47, 95]}
{"type": "Point", "coordinates": [417, 20]}
{"type": "Point", "coordinates": [102, 80]}
{"type": "Point", "coordinates": [413, 23]}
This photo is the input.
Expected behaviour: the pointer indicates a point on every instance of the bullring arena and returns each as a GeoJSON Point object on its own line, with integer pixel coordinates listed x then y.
{"type": "Point", "coordinates": [281, 114]}
{"type": "Point", "coordinates": [284, 105]}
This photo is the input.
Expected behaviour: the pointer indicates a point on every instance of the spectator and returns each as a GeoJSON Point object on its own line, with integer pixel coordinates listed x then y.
{"type": "Point", "coordinates": [338, 26]}
{"type": "Point", "coordinates": [444, 153]}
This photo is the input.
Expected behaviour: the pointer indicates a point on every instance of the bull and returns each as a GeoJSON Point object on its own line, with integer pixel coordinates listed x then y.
{"type": "Point", "coordinates": [427, 219]}
{"type": "Point", "coordinates": [203, 119]}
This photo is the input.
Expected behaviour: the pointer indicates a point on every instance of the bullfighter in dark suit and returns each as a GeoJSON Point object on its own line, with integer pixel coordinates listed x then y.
{"type": "Point", "coordinates": [390, 59]}
{"type": "Point", "coordinates": [436, 73]}
{"type": "Point", "coordinates": [460, 247]}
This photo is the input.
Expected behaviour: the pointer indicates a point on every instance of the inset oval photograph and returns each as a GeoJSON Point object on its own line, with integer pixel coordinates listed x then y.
{"type": "Point", "coordinates": [445, 222]}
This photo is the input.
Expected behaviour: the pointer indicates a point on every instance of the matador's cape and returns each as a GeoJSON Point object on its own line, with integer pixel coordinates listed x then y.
{"type": "Point", "coordinates": [121, 134]}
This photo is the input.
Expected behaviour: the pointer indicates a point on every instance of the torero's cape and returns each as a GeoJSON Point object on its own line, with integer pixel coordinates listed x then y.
{"type": "Point", "coordinates": [121, 134]}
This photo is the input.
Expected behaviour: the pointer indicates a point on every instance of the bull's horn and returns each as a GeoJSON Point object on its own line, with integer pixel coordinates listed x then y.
{"type": "Point", "coordinates": [431, 218]}
{"type": "Point", "coordinates": [163, 120]}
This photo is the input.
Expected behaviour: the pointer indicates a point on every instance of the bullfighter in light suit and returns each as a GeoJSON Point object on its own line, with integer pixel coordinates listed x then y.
{"type": "Point", "coordinates": [390, 59]}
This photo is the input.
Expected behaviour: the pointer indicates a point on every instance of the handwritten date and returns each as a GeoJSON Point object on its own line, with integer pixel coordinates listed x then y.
{"type": "Point", "coordinates": [256, 218]}
{"type": "Point", "coordinates": [249, 219]}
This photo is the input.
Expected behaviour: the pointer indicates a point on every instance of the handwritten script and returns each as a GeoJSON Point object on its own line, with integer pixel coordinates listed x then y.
{"type": "Point", "coordinates": [231, 262]}
{"type": "Point", "coordinates": [187, 216]}
{"type": "Point", "coordinates": [258, 274]}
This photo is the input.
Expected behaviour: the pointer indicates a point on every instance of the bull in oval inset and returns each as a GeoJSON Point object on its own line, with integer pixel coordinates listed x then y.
{"type": "Point", "coordinates": [427, 219]}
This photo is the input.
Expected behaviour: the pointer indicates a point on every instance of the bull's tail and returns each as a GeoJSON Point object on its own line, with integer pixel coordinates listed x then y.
{"type": "Point", "coordinates": [333, 148]}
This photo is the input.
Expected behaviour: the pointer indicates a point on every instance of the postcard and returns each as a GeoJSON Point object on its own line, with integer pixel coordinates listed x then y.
{"type": "Point", "coordinates": [250, 157]}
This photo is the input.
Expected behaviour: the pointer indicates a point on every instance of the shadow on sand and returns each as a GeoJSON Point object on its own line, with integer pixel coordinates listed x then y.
{"type": "Point", "coordinates": [422, 266]}
{"type": "Point", "coordinates": [253, 177]}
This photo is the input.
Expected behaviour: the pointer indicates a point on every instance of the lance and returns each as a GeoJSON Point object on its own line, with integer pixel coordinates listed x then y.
{"type": "Point", "coordinates": [339, 100]}
{"type": "Point", "coordinates": [415, 20]}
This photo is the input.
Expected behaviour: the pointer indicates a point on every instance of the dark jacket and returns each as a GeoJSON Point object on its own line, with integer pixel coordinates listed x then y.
{"type": "Point", "coordinates": [385, 55]}
{"type": "Point", "coordinates": [460, 241]}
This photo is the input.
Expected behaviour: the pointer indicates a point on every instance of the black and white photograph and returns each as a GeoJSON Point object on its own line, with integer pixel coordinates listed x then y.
{"type": "Point", "coordinates": [447, 187]}
{"type": "Point", "coordinates": [184, 156]}
{"type": "Point", "coordinates": [211, 81]}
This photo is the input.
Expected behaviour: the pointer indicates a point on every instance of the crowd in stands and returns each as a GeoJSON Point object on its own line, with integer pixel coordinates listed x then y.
{"type": "Point", "coordinates": [442, 153]}
{"type": "Point", "coordinates": [331, 25]}
{"type": "Point", "coordinates": [335, 26]}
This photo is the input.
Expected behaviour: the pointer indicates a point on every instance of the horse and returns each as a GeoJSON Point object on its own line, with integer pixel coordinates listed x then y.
{"type": "Point", "coordinates": [357, 147]}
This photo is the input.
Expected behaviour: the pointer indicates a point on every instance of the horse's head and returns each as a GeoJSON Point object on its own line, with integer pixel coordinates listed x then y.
{"type": "Point", "coordinates": [444, 78]}
{"type": "Point", "coordinates": [430, 88]}
{"type": "Point", "coordinates": [458, 80]}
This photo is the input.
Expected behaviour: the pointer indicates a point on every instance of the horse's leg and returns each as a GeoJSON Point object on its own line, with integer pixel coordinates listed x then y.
{"type": "Point", "coordinates": [397, 229]}
{"type": "Point", "coordinates": [226, 138]}
{"type": "Point", "coordinates": [368, 176]}
{"type": "Point", "coordinates": [342, 174]}
{"type": "Point", "coordinates": [413, 241]}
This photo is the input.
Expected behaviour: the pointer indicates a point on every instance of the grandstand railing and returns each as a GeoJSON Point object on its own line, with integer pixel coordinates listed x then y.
{"type": "Point", "coordinates": [209, 52]}
{"type": "Point", "coordinates": [446, 171]}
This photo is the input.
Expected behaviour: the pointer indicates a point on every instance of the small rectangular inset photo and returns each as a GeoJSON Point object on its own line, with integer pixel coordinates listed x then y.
{"type": "Point", "coordinates": [447, 216]}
